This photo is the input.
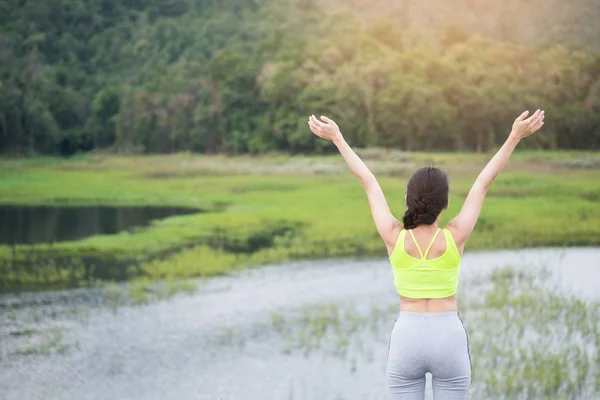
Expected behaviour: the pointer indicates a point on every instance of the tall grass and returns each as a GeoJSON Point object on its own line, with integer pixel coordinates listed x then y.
{"type": "Point", "coordinates": [276, 208]}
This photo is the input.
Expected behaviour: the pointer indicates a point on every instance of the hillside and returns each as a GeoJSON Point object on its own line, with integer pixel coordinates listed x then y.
{"type": "Point", "coordinates": [532, 22]}
{"type": "Point", "coordinates": [241, 76]}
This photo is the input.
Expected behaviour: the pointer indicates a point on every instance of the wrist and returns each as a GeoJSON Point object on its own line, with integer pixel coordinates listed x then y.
{"type": "Point", "coordinates": [513, 138]}
{"type": "Point", "coordinates": [339, 139]}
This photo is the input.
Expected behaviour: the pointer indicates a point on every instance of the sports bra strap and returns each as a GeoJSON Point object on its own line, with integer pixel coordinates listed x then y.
{"type": "Point", "coordinates": [416, 244]}
{"type": "Point", "coordinates": [428, 247]}
{"type": "Point", "coordinates": [431, 244]}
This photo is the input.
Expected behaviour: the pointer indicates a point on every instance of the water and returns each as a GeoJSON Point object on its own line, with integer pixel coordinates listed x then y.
{"type": "Point", "coordinates": [48, 224]}
{"type": "Point", "coordinates": [260, 334]}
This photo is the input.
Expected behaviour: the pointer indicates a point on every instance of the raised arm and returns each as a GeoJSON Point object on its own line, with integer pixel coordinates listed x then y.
{"type": "Point", "coordinates": [387, 226]}
{"type": "Point", "coordinates": [463, 224]}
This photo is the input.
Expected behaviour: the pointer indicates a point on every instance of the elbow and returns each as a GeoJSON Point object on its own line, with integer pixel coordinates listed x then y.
{"type": "Point", "coordinates": [368, 179]}
{"type": "Point", "coordinates": [482, 186]}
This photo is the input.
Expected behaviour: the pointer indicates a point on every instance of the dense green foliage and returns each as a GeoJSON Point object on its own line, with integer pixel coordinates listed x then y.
{"type": "Point", "coordinates": [263, 210]}
{"type": "Point", "coordinates": [242, 75]}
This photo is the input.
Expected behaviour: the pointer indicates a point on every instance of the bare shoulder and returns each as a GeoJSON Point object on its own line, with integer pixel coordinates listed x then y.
{"type": "Point", "coordinates": [396, 233]}
{"type": "Point", "coordinates": [457, 236]}
{"type": "Point", "coordinates": [394, 236]}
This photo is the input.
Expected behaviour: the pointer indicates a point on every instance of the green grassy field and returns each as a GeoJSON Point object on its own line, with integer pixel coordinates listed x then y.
{"type": "Point", "coordinates": [269, 209]}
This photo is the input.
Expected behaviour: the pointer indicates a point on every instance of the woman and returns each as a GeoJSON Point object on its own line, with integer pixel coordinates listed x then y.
{"type": "Point", "coordinates": [428, 335]}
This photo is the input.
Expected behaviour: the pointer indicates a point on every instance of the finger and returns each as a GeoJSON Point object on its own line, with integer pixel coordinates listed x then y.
{"type": "Point", "coordinates": [313, 130]}
{"type": "Point", "coordinates": [522, 116]}
{"type": "Point", "coordinates": [533, 119]}
{"type": "Point", "coordinates": [312, 123]}
{"type": "Point", "coordinates": [539, 121]}
{"type": "Point", "coordinates": [316, 121]}
{"type": "Point", "coordinates": [540, 117]}
{"type": "Point", "coordinates": [327, 120]}
{"type": "Point", "coordinates": [538, 126]}
{"type": "Point", "coordinates": [316, 130]}
{"type": "Point", "coordinates": [534, 115]}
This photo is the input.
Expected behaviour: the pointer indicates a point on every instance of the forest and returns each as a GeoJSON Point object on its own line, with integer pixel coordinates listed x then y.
{"type": "Point", "coordinates": [241, 76]}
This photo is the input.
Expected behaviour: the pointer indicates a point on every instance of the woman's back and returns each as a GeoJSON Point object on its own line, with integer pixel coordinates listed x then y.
{"type": "Point", "coordinates": [426, 267]}
{"type": "Point", "coordinates": [422, 239]}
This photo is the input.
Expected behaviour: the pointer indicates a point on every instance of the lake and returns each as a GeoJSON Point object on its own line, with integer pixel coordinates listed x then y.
{"type": "Point", "coordinates": [48, 224]}
{"type": "Point", "coordinates": [306, 330]}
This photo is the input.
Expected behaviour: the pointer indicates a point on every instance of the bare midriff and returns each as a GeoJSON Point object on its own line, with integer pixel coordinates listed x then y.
{"type": "Point", "coordinates": [446, 304]}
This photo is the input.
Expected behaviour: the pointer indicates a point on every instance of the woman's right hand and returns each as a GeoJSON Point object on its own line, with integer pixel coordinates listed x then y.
{"type": "Point", "coordinates": [524, 127]}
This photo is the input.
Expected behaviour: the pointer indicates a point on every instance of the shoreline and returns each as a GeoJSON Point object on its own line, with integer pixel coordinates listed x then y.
{"type": "Point", "coordinates": [273, 209]}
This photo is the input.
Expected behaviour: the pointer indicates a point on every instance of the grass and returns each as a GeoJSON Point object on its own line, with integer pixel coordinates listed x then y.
{"type": "Point", "coordinates": [550, 342]}
{"type": "Point", "coordinates": [143, 291]}
{"type": "Point", "coordinates": [48, 342]}
{"type": "Point", "coordinates": [275, 208]}
{"type": "Point", "coordinates": [527, 338]}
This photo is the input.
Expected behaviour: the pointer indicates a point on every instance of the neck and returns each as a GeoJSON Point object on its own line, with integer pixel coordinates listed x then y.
{"type": "Point", "coordinates": [432, 227]}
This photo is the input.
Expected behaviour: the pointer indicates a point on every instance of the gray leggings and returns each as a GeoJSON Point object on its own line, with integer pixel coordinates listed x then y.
{"type": "Point", "coordinates": [434, 343]}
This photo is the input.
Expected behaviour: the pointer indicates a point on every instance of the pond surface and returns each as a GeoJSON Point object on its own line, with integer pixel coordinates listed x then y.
{"type": "Point", "coordinates": [306, 330]}
{"type": "Point", "coordinates": [48, 224]}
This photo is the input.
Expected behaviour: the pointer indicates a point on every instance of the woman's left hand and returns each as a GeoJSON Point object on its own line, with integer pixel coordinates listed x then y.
{"type": "Point", "coordinates": [328, 129]}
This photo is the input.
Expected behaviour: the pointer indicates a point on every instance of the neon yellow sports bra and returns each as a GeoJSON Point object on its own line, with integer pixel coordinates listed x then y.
{"type": "Point", "coordinates": [426, 279]}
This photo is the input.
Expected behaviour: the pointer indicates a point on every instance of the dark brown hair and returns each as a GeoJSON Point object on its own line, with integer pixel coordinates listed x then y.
{"type": "Point", "coordinates": [426, 196]}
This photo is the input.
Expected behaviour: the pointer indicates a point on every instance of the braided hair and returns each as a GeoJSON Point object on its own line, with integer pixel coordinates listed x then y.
{"type": "Point", "coordinates": [426, 196]}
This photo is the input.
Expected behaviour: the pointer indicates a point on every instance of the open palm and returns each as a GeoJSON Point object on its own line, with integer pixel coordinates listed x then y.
{"type": "Point", "coordinates": [525, 127]}
{"type": "Point", "coordinates": [327, 129]}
